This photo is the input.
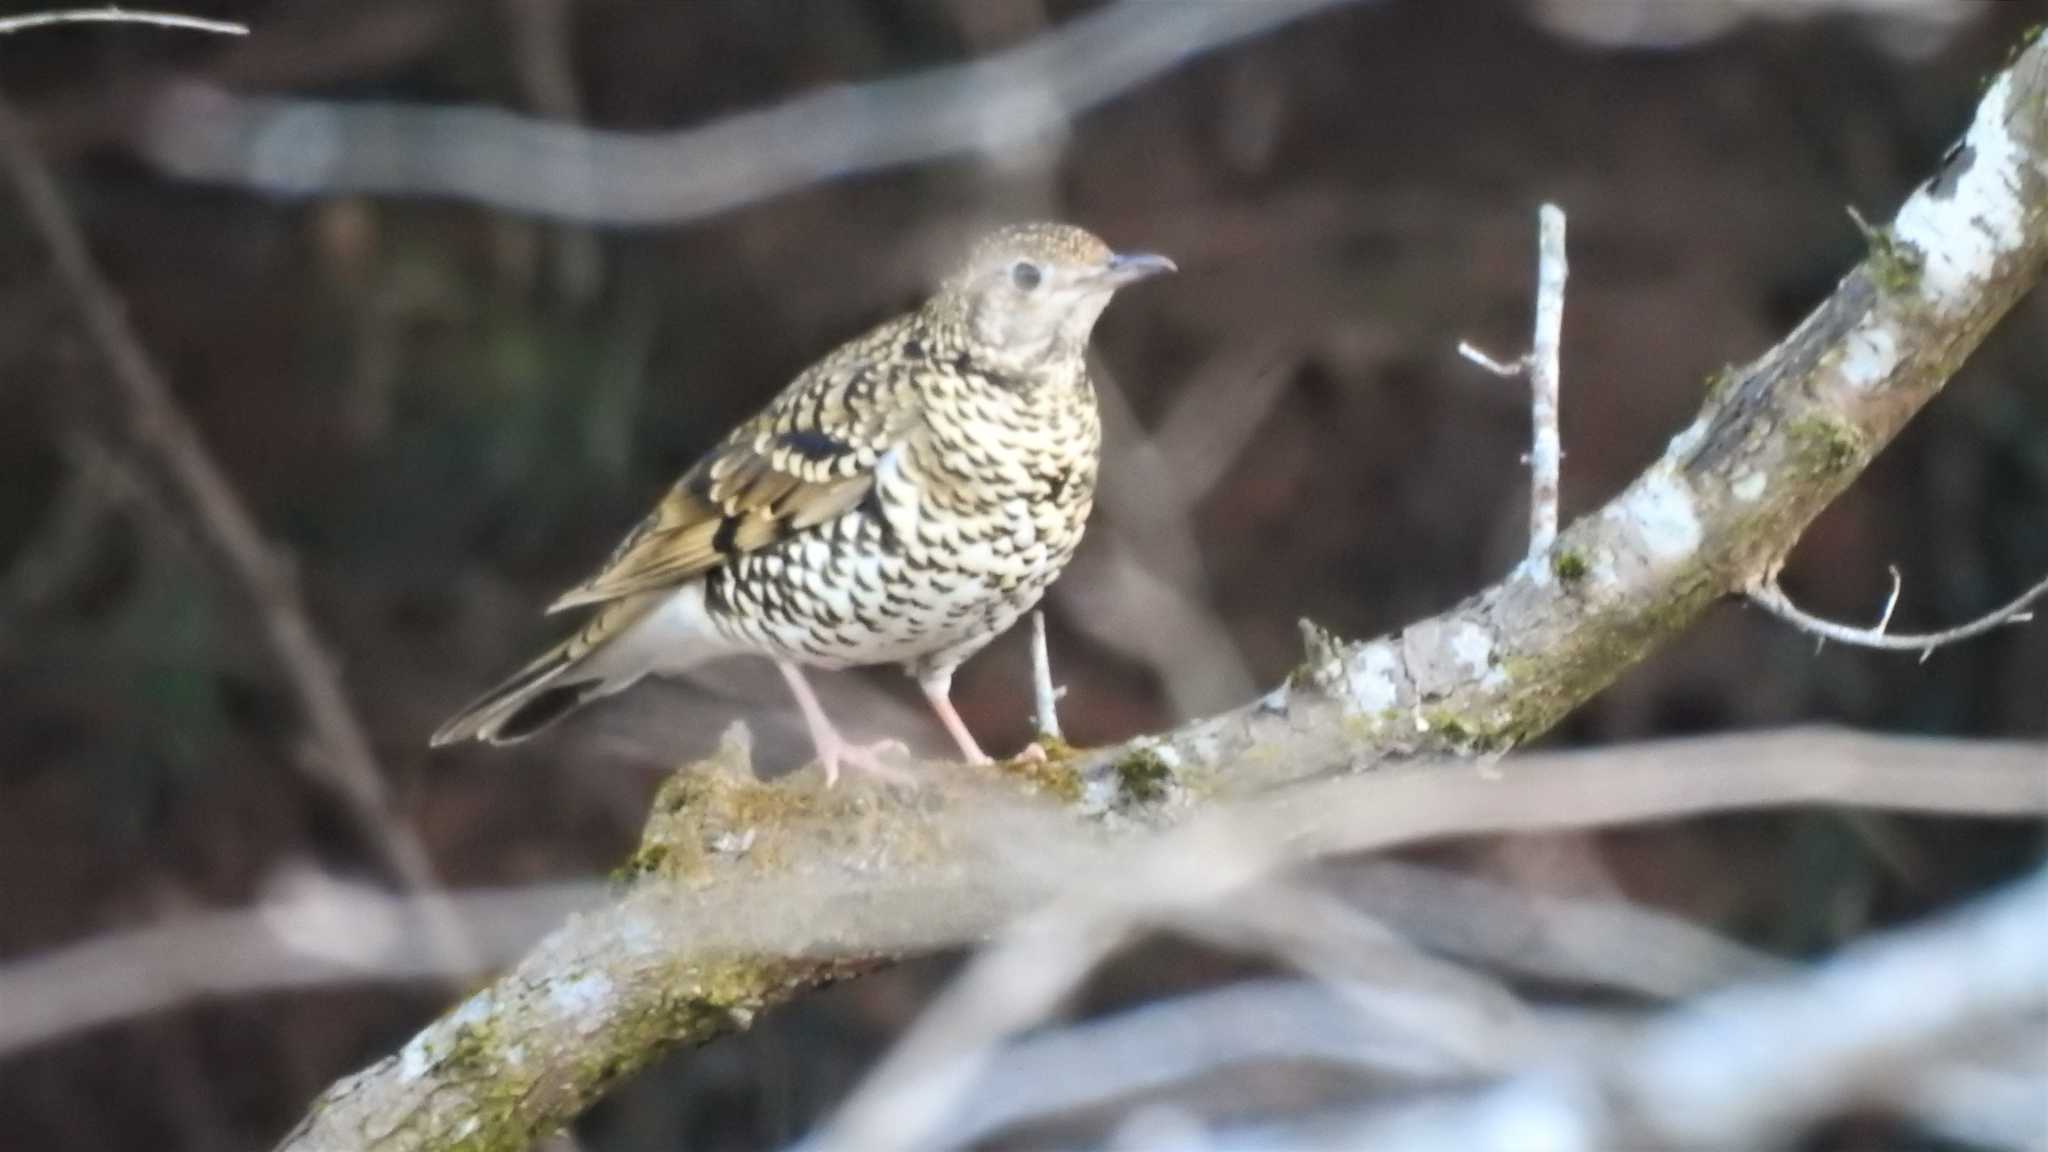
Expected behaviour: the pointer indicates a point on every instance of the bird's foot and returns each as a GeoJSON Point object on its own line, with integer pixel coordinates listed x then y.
{"type": "Point", "coordinates": [865, 757]}
{"type": "Point", "coordinates": [1034, 753]}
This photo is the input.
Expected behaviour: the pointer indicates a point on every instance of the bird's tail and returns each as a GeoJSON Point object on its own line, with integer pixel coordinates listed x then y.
{"type": "Point", "coordinates": [562, 680]}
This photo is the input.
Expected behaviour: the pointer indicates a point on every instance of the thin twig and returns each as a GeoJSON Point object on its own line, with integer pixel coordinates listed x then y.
{"type": "Point", "coordinates": [1771, 598]}
{"type": "Point", "coordinates": [1546, 452]}
{"type": "Point", "coordinates": [1503, 368]}
{"type": "Point", "coordinates": [1540, 365]}
{"type": "Point", "coordinates": [341, 761]}
{"type": "Point", "coordinates": [1046, 698]}
{"type": "Point", "coordinates": [114, 14]}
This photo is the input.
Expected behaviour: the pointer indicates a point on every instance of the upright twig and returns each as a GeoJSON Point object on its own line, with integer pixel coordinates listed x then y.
{"type": "Point", "coordinates": [115, 14]}
{"type": "Point", "coordinates": [341, 761]}
{"type": "Point", "coordinates": [1045, 697]}
{"type": "Point", "coordinates": [1540, 365]}
{"type": "Point", "coordinates": [1546, 451]}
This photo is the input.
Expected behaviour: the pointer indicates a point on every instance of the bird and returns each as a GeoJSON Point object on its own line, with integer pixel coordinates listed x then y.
{"type": "Point", "coordinates": [904, 500]}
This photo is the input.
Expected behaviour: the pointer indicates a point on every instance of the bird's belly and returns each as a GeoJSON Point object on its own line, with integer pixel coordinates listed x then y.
{"type": "Point", "coordinates": [861, 592]}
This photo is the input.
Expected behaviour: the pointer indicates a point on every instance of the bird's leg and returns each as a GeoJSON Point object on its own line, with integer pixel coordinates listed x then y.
{"type": "Point", "coordinates": [834, 749]}
{"type": "Point", "coordinates": [938, 689]}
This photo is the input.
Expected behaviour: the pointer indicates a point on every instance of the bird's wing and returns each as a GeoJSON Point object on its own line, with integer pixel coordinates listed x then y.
{"type": "Point", "coordinates": [805, 460]}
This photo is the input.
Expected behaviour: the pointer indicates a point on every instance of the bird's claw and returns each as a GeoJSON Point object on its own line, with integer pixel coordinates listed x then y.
{"type": "Point", "coordinates": [867, 758]}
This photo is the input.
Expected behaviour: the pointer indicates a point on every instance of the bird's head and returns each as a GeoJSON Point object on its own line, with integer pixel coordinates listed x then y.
{"type": "Point", "coordinates": [1029, 294]}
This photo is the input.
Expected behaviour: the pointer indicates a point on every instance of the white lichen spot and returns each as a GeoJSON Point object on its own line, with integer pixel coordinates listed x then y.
{"type": "Point", "coordinates": [1661, 512]}
{"type": "Point", "coordinates": [1534, 569]}
{"type": "Point", "coordinates": [638, 935]}
{"type": "Point", "coordinates": [1600, 571]}
{"type": "Point", "coordinates": [424, 1051]}
{"type": "Point", "coordinates": [1964, 228]}
{"type": "Point", "coordinates": [730, 843]}
{"type": "Point", "coordinates": [1168, 755]}
{"type": "Point", "coordinates": [468, 1126]}
{"type": "Point", "coordinates": [1370, 678]}
{"type": "Point", "coordinates": [475, 1010]}
{"type": "Point", "coordinates": [1278, 699]}
{"type": "Point", "coordinates": [1495, 679]}
{"type": "Point", "coordinates": [414, 1060]}
{"type": "Point", "coordinates": [1682, 445]}
{"type": "Point", "coordinates": [582, 998]}
{"type": "Point", "coordinates": [1472, 648]}
{"type": "Point", "coordinates": [1870, 356]}
{"type": "Point", "coordinates": [1748, 487]}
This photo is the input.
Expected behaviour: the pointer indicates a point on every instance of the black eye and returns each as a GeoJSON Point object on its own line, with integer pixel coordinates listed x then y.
{"type": "Point", "coordinates": [1025, 275]}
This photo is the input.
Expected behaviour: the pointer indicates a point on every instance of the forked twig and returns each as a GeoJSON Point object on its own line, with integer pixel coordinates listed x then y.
{"type": "Point", "coordinates": [1771, 598]}
{"type": "Point", "coordinates": [1540, 365]}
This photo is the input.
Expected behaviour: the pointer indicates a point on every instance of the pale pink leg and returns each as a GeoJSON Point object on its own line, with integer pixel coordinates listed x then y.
{"type": "Point", "coordinates": [833, 748]}
{"type": "Point", "coordinates": [938, 690]}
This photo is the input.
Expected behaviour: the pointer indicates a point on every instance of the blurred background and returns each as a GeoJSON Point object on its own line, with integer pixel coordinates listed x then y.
{"type": "Point", "coordinates": [446, 363]}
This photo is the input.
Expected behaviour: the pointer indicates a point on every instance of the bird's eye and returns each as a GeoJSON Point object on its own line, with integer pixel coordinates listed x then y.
{"type": "Point", "coordinates": [1025, 275]}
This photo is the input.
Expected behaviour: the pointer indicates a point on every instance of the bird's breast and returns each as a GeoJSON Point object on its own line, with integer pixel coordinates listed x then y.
{"type": "Point", "coordinates": [995, 483]}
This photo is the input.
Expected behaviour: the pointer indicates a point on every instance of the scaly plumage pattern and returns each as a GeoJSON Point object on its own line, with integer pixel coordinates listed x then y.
{"type": "Point", "coordinates": [905, 500]}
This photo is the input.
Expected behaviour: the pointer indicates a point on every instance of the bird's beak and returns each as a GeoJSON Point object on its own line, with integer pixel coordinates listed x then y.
{"type": "Point", "coordinates": [1129, 267]}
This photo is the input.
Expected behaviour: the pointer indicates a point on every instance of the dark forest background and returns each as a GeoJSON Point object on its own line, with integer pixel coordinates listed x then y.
{"type": "Point", "coordinates": [446, 414]}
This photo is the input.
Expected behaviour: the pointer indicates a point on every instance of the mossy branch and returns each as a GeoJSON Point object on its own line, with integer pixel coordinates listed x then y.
{"type": "Point", "coordinates": [1777, 441]}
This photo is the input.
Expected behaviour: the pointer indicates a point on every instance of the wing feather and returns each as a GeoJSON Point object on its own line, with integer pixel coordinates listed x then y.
{"type": "Point", "coordinates": [777, 475]}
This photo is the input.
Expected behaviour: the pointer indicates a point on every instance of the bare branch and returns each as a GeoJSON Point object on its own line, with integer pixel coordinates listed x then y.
{"type": "Point", "coordinates": [1585, 942]}
{"type": "Point", "coordinates": [1746, 1066]}
{"type": "Point", "coordinates": [314, 936]}
{"type": "Point", "coordinates": [708, 936]}
{"type": "Point", "coordinates": [114, 14]}
{"type": "Point", "coordinates": [341, 761]}
{"type": "Point", "coordinates": [519, 164]}
{"type": "Point", "coordinates": [1546, 452]}
{"type": "Point", "coordinates": [1771, 598]}
{"type": "Point", "coordinates": [1184, 1042]}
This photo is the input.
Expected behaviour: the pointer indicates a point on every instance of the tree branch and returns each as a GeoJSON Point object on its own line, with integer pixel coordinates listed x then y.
{"type": "Point", "coordinates": [831, 884]}
{"type": "Point", "coordinates": [834, 883]}
{"type": "Point", "coordinates": [114, 14]}
{"type": "Point", "coordinates": [1743, 1067]}
{"type": "Point", "coordinates": [516, 163]}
